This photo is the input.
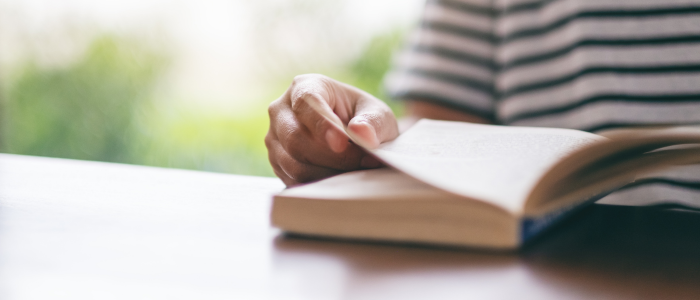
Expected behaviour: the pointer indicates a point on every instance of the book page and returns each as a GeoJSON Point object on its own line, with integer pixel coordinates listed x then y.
{"type": "Point", "coordinates": [496, 164]}
{"type": "Point", "coordinates": [601, 167]}
{"type": "Point", "coordinates": [375, 184]}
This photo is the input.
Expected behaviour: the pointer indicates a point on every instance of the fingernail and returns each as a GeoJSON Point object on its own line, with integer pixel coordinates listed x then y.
{"type": "Point", "coordinates": [370, 162]}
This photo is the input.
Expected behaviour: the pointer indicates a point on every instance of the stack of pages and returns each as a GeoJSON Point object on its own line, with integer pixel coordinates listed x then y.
{"type": "Point", "coordinates": [463, 184]}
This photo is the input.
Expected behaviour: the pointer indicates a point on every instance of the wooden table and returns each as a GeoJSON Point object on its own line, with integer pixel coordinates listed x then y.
{"type": "Point", "coordinates": [86, 230]}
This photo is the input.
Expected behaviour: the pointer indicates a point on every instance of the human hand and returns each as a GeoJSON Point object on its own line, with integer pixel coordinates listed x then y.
{"type": "Point", "coordinates": [304, 146]}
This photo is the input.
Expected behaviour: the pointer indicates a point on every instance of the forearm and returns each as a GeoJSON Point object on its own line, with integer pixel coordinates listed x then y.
{"type": "Point", "coordinates": [416, 110]}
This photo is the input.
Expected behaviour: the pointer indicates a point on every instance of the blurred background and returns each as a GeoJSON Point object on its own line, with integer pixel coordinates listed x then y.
{"type": "Point", "coordinates": [183, 83]}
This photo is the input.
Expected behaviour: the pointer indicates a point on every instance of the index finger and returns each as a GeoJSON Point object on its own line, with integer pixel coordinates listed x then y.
{"type": "Point", "coordinates": [322, 108]}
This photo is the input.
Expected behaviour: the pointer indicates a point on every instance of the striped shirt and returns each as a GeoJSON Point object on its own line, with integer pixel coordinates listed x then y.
{"type": "Point", "coordinates": [583, 64]}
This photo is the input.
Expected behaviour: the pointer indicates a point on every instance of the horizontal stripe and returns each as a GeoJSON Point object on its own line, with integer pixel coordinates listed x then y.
{"type": "Point", "coordinates": [680, 173]}
{"type": "Point", "coordinates": [440, 22]}
{"type": "Point", "coordinates": [610, 29]}
{"type": "Point", "coordinates": [429, 61]}
{"type": "Point", "coordinates": [661, 193]}
{"type": "Point", "coordinates": [606, 14]}
{"type": "Point", "coordinates": [456, 104]}
{"type": "Point", "coordinates": [427, 37]}
{"type": "Point", "coordinates": [602, 115]}
{"type": "Point", "coordinates": [597, 70]}
{"type": "Point", "coordinates": [452, 52]}
{"type": "Point", "coordinates": [400, 83]}
{"type": "Point", "coordinates": [659, 99]}
{"type": "Point", "coordinates": [598, 42]}
{"type": "Point", "coordinates": [456, 55]}
{"type": "Point", "coordinates": [600, 84]}
{"type": "Point", "coordinates": [435, 12]}
{"type": "Point", "coordinates": [500, 10]}
{"type": "Point", "coordinates": [483, 9]}
{"type": "Point", "coordinates": [610, 56]}
{"type": "Point", "coordinates": [439, 26]}
{"type": "Point", "coordinates": [508, 25]}
{"type": "Point", "coordinates": [504, 9]}
{"type": "Point", "coordinates": [619, 125]}
{"type": "Point", "coordinates": [694, 185]}
{"type": "Point", "coordinates": [526, 6]}
{"type": "Point", "coordinates": [460, 80]}
{"type": "Point", "coordinates": [455, 26]}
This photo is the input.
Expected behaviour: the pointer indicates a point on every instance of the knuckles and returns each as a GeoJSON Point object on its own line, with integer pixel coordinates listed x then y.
{"type": "Point", "coordinates": [297, 174]}
{"type": "Point", "coordinates": [311, 77]}
{"type": "Point", "coordinates": [297, 144]}
{"type": "Point", "coordinates": [269, 139]}
{"type": "Point", "coordinates": [274, 108]}
{"type": "Point", "coordinates": [289, 144]}
{"type": "Point", "coordinates": [308, 85]}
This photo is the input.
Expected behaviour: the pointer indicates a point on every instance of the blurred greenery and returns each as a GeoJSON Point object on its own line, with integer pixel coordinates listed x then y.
{"type": "Point", "coordinates": [86, 110]}
{"type": "Point", "coordinates": [367, 71]}
{"type": "Point", "coordinates": [103, 107]}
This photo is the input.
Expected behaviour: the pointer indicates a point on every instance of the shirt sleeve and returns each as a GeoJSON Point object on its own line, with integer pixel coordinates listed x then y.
{"type": "Point", "coordinates": [449, 59]}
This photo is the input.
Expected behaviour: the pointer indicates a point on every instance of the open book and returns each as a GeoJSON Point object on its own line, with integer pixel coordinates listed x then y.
{"type": "Point", "coordinates": [464, 184]}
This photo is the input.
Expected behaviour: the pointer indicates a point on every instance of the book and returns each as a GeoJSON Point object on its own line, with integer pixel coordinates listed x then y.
{"type": "Point", "coordinates": [487, 186]}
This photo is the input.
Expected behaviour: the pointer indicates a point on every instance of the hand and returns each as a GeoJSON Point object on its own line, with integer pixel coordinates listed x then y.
{"type": "Point", "coordinates": [303, 146]}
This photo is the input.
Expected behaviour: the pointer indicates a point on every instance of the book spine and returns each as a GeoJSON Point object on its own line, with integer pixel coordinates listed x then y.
{"type": "Point", "coordinates": [532, 227]}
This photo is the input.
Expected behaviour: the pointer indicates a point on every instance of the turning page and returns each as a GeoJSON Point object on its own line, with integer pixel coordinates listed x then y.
{"type": "Point", "coordinates": [496, 164]}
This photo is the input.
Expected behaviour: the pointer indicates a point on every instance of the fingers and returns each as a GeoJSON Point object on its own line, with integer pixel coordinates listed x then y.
{"type": "Point", "coordinates": [319, 127]}
{"type": "Point", "coordinates": [317, 103]}
{"type": "Point", "coordinates": [291, 170]}
{"type": "Point", "coordinates": [373, 123]}
{"type": "Point", "coordinates": [300, 143]}
{"type": "Point", "coordinates": [332, 98]}
{"type": "Point", "coordinates": [307, 140]}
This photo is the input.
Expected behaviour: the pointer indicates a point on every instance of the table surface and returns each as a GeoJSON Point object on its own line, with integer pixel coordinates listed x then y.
{"type": "Point", "coordinates": [87, 230]}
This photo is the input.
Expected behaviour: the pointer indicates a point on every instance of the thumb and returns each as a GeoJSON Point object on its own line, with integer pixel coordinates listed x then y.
{"type": "Point", "coordinates": [373, 123]}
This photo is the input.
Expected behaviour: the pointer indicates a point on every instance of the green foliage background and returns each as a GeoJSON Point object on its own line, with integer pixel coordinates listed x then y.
{"type": "Point", "coordinates": [102, 107]}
